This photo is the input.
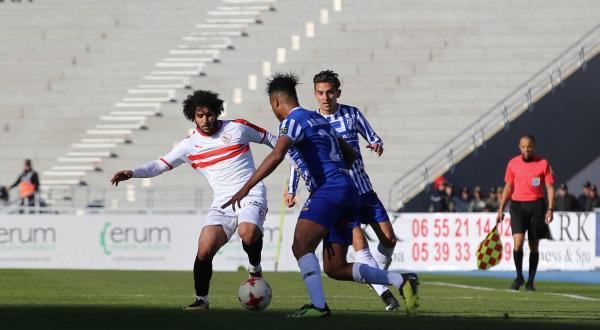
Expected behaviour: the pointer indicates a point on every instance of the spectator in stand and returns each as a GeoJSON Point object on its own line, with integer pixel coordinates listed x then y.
{"type": "Point", "coordinates": [449, 190]}
{"type": "Point", "coordinates": [593, 201]}
{"type": "Point", "coordinates": [438, 182]}
{"type": "Point", "coordinates": [477, 202]}
{"type": "Point", "coordinates": [463, 201]}
{"type": "Point", "coordinates": [492, 203]}
{"type": "Point", "coordinates": [438, 199]}
{"type": "Point", "coordinates": [585, 193]}
{"type": "Point", "coordinates": [28, 183]}
{"type": "Point", "coordinates": [3, 196]}
{"type": "Point", "coordinates": [565, 201]}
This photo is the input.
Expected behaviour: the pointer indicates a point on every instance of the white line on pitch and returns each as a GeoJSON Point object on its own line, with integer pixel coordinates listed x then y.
{"type": "Point", "coordinates": [481, 288]}
{"type": "Point", "coordinates": [460, 286]}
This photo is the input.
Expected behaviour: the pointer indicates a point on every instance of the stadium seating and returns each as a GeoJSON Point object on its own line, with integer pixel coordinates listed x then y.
{"type": "Point", "coordinates": [420, 70]}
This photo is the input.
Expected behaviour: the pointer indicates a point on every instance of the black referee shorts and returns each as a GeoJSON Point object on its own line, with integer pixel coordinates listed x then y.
{"type": "Point", "coordinates": [529, 217]}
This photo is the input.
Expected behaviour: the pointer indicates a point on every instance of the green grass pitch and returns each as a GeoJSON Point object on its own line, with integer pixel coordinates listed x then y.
{"type": "Point", "coordinates": [67, 299]}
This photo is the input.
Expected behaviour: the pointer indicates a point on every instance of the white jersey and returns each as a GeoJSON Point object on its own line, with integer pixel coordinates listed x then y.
{"type": "Point", "coordinates": [224, 157]}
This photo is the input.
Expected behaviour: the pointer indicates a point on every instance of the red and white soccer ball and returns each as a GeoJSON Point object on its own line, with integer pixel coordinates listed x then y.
{"type": "Point", "coordinates": [255, 294]}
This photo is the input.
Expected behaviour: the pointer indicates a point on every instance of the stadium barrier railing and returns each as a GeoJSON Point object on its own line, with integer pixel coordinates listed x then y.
{"type": "Point", "coordinates": [495, 119]}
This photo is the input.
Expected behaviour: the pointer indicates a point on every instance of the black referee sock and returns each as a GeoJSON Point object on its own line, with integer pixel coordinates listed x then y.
{"type": "Point", "coordinates": [518, 258]}
{"type": "Point", "coordinates": [534, 258]}
{"type": "Point", "coordinates": [253, 250]}
{"type": "Point", "coordinates": [202, 275]}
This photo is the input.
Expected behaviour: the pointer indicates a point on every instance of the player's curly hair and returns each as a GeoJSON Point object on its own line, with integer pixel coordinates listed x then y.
{"type": "Point", "coordinates": [283, 83]}
{"type": "Point", "coordinates": [202, 98]}
{"type": "Point", "coordinates": [327, 76]}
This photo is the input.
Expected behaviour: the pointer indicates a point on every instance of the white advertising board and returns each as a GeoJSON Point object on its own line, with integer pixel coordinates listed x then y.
{"type": "Point", "coordinates": [426, 241]}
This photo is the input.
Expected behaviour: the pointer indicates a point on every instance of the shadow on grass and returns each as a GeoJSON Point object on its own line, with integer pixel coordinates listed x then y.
{"type": "Point", "coordinates": [133, 317]}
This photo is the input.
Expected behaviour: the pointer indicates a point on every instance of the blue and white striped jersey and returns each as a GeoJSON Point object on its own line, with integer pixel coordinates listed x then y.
{"type": "Point", "coordinates": [315, 144]}
{"type": "Point", "coordinates": [348, 122]}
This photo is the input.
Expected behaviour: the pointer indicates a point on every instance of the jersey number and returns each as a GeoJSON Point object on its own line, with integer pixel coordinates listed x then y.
{"type": "Point", "coordinates": [334, 154]}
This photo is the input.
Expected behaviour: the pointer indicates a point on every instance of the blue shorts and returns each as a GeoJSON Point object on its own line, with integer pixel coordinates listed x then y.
{"type": "Point", "coordinates": [372, 209]}
{"type": "Point", "coordinates": [336, 209]}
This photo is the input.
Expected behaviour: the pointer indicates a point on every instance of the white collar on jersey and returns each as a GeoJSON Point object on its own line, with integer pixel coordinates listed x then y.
{"type": "Point", "coordinates": [337, 109]}
{"type": "Point", "coordinates": [296, 108]}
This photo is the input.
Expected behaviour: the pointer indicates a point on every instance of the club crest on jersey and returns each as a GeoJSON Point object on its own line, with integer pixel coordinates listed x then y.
{"type": "Point", "coordinates": [226, 138]}
{"type": "Point", "coordinates": [283, 130]}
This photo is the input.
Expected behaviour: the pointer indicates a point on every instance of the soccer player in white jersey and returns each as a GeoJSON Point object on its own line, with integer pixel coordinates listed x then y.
{"type": "Point", "coordinates": [349, 124]}
{"type": "Point", "coordinates": [219, 150]}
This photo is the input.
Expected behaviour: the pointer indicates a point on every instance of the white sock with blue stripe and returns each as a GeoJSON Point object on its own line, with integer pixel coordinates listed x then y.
{"type": "Point", "coordinates": [383, 256]}
{"type": "Point", "coordinates": [364, 257]}
{"type": "Point", "coordinates": [366, 274]}
{"type": "Point", "coordinates": [311, 274]}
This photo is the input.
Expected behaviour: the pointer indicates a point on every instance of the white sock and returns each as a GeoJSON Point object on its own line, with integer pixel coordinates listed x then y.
{"type": "Point", "coordinates": [205, 298]}
{"type": "Point", "coordinates": [311, 274]}
{"type": "Point", "coordinates": [364, 257]}
{"type": "Point", "coordinates": [254, 269]}
{"type": "Point", "coordinates": [366, 274]}
{"type": "Point", "coordinates": [383, 256]}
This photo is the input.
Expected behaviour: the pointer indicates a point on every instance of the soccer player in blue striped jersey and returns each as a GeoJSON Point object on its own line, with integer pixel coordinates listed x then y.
{"type": "Point", "coordinates": [330, 214]}
{"type": "Point", "coordinates": [350, 124]}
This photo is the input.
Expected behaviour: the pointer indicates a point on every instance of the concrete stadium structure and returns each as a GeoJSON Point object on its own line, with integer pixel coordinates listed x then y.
{"type": "Point", "coordinates": [82, 82]}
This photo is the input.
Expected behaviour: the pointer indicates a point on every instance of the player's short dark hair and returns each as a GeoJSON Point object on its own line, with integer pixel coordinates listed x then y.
{"type": "Point", "coordinates": [202, 98]}
{"type": "Point", "coordinates": [283, 83]}
{"type": "Point", "coordinates": [327, 76]}
{"type": "Point", "coordinates": [528, 136]}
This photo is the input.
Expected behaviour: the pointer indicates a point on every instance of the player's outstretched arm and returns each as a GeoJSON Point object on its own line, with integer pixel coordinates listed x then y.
{"type": "Point", "coordinates": [348, 152]}
{"type": "Point", "coordinates": [121, 176]}
{"type": "Point", "coordinates": [268, 165]}
{"type": "Point", "coordinates": [151, 169]}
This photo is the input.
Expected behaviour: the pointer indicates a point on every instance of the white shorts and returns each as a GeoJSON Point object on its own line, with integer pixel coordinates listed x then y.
{"type": "Point", "coordinates": [253, 210]}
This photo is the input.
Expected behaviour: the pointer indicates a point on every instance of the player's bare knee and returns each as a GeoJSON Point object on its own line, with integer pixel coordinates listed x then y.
{"type": "Point", "coordinates": [299, 250]}
{"type": "Point", "coordinates": [248, 234]}
{"type": "Point", "coordinates": [204, 255]}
